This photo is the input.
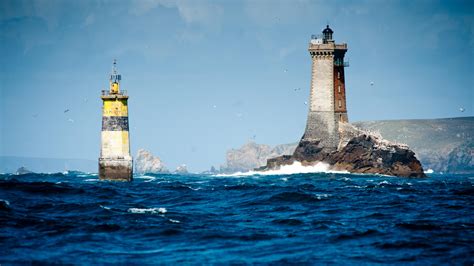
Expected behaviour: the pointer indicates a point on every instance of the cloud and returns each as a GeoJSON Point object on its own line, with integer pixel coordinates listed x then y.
{"type": "Point", "coordinates": [48, 10]}
{"type": "Point", "coordinates": [201, 12]}
{"type": "Point", "coordinates": [89, 20]}
{"type": "Point", "coordinates": [274, 13]}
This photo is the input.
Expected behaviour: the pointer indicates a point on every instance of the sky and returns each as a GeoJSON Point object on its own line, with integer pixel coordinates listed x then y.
{"type": "Point", "coordinates": [207, 76]}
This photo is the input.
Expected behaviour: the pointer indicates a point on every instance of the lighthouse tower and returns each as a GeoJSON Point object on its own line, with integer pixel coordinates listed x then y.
{"type": "Point", "coordinates": [115, 162]}
{"type": "Point", "coordinates": [327, 103]}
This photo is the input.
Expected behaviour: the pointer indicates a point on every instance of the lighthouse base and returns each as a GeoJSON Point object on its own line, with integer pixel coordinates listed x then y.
{"type": "Point", "coordinates": [114, 169]}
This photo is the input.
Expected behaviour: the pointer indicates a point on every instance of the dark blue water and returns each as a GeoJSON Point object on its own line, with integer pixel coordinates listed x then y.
{"type": "Point", "coordinates": [192, 219]}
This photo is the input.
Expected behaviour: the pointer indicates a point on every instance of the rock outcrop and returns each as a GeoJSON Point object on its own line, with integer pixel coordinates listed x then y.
{"type": "Point", "coordinates": [23, 171]}
{"type": "Point", "coordinates": [252, 155]}
{"type": "Point", "coordinates": [182, 169]}
{"type": "Point", "coordinates": [358, 152]}
{"type": "Point", "coordinates": [438, 143]}
{"type": "Point", "coordinates": [145, 162]}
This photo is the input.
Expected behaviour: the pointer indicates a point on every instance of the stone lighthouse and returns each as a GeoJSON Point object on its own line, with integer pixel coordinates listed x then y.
{"type": "Point", "coordinates": [329, 138]}
{"type": "Point", "coordinates": [327, 102]}
{"type": "Point", "coordinates": [115, 162]}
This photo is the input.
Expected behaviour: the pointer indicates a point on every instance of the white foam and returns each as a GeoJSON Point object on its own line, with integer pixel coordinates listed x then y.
{"type": "Point", "coordinates": [174, 221]}
{"type": "Point", "coordinates": [355, 186]}
{"type": "Point", "coordinates": [320, 196]}
{"type": "Point", "coordinates": [147, 177]}
{"type": "Point", "coordinates": [105, 207]}
{"type": "Point", "coordinates": [149, 210]}
{"type": "Point", "coordinates": [295, 168]}
{"type": "Point", "coordinates": [429, 171]}
{"type": "Point", "coordinates": [91, 180]}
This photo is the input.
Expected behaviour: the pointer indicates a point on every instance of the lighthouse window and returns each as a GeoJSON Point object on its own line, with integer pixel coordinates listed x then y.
{"type": "Point", "coordinates": [340, 103]}
{"type": "Point", "coordinates": [338, 75]}
{"type": "Point", "coordinates": [339, 88]}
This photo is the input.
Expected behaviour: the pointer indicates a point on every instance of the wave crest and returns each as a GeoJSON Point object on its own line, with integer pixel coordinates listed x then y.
{"type": "Point", "coordinates": [295, 168]}
{"type": "Point", "coordinates": [149, 210]}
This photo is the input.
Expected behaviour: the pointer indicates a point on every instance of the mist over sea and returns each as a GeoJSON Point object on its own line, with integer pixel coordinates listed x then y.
{"type": "Point", "coordinates": [288, 218]}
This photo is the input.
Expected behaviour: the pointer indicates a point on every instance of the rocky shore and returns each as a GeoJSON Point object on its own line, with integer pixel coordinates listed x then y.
{"type": "Point", "coordinates": [359, 151]}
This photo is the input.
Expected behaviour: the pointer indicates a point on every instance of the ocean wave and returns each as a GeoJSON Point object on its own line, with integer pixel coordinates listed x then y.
{"type": "Point", "coordinates": [148, 210]}
{"type": "Point", "coordinates": [4, 205]}
{"type": "Point", "coordinates": [262, 216]}
{"type": "Point", "coordinates": [297, 197]}
{"type": "Point", "coordinates": [147, 177]}
{"type": "Point", "coordinates": [291, 169]}
{"type": "Point", "coordinates": [105, 207]}
{"type": "Point", "coordinates": [429, 171]}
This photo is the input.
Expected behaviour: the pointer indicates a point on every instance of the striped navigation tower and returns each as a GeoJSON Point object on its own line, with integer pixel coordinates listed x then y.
{"type": "Point", "coordinates": [327, 108]}
{"type": "Point", "coordinates": [115, 162]}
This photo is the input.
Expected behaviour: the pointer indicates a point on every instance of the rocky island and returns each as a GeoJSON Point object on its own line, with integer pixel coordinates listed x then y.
{"type": "Point", "coordinates": [145, 162]}
{"type": "Point", "coordinates": [358, 152]}
{"type": "Point", "coordinates": [329, 137]}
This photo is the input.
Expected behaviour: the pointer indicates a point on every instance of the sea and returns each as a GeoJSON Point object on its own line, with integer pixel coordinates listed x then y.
{"type": "Point", "coordinates": [278, 218]}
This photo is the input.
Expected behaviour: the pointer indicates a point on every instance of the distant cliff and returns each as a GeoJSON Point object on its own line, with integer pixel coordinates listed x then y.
{"type": "Point", "coordinates": [10, 164]}
{"type": "Point", "coordinates": [444, 145]}
{"type": "Point", "coordinates": [252, 155]}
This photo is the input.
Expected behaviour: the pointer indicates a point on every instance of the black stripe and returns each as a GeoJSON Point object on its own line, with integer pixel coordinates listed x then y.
{"type": "Point", "coordinates": [115, 123]}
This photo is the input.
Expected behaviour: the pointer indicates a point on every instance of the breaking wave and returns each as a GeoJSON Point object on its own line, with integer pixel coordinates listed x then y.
{"type": "Point", "coordinates": [291, 169]}
{"type": "Point", "coordinates": [149, 210]}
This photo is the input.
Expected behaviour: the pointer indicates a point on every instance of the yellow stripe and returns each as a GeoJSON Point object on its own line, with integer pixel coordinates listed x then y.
{"type": "Point", "coordinates": [115, 107]}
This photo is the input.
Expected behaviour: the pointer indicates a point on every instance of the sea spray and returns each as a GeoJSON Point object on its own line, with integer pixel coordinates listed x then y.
{"type": "Point", "coordinates": [295, 168]}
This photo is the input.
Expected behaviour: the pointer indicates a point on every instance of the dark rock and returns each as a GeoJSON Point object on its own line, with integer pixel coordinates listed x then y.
{"type": "Point", "coordinates": [440, 144]}
{"type": "Point", "coordinates": [363, 155]}
{"type": "Point", "coordinates": [358, 152]}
